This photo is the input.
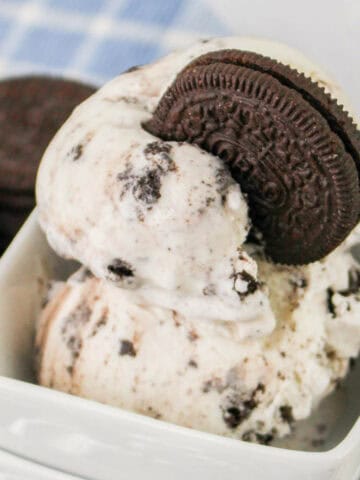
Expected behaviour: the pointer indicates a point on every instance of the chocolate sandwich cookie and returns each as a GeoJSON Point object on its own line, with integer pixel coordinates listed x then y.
{"type": "Point", "coordinates": [32, 109]}
{"type": "Point", "coordinates": [292, 148]}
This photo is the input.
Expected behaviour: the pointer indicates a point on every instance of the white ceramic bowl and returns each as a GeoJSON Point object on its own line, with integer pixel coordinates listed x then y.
{"type": "Point", "coordinates": [13, 467]}
{"type": "Point", "coordinates": [103, 443]}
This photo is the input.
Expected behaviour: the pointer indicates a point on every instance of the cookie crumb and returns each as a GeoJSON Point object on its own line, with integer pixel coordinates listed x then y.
{"type": "Point", "coordinates": [120, 268]}
{"type": "Point", "coordinates": [329, 302]}
{"type": "Point", "coordinates": [251, 284]}
{"type": "Point", "coordinates": [239, 410]}
{"type": "Point", "coordinates": [192, 363]}
{"type": "Point", "coordinates": [76, 152]}
{"type": "Point", "coordinates": [286, 413]}
{"type": "Point", "coordinates": [156, 148]}
{"type": "Point", "coordinates": [253, 436]}
{"type": "Point", "coordinates": [127, 348]}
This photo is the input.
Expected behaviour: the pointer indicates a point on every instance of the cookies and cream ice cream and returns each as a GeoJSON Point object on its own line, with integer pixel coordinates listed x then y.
{"type": "Point", "coordinates": [97, 342]}
{"type": "Point", "coordinates": [149, 202]}
{"type": "Point", "coordinates": [178, 316]}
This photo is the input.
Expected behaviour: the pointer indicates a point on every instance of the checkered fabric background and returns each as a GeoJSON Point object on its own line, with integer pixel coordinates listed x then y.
{"type": "Point", "coordinates": [94, 40]}
{"type": "Point", "coordinates": [97, 39]}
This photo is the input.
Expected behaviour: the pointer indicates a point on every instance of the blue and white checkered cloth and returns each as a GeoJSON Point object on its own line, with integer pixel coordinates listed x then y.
{"type": "Point", "coordinates": [95, 40]}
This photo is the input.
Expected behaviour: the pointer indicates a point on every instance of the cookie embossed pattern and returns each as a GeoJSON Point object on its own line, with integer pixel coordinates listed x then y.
{"type": "Point", "coordinates": [273, 356]}
{"type": "Point", "coordinates": [286, 141]}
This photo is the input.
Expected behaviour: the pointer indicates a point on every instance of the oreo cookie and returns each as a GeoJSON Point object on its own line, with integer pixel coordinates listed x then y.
{"type": "Point", "coordinates": [32, 109]}
{"type": "Point", "coordinates": [291, 147]}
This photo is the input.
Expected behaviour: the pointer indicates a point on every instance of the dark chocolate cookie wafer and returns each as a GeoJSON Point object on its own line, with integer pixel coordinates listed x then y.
{"type": "Point", "coordinates": [293, 150]}
{"type": "Point", "coordinates": [16, 201]}
{"type": "Point", "coordinates": [32, 109]}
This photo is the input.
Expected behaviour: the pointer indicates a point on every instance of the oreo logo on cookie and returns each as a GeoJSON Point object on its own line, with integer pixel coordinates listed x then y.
{"type": "Point", "coordinates": [293, 150]}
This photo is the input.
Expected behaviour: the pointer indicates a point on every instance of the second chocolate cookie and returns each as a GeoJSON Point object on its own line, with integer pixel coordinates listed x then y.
{"type": "Point", "coordinates": [32, 109]}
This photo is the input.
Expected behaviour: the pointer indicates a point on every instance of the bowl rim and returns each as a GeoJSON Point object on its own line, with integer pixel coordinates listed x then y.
{"type": "Point", "coordinates": [18, 388]}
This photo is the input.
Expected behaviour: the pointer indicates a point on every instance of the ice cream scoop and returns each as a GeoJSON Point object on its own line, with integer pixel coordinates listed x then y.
{"type": "Point", "coordinates": [96, 342]}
